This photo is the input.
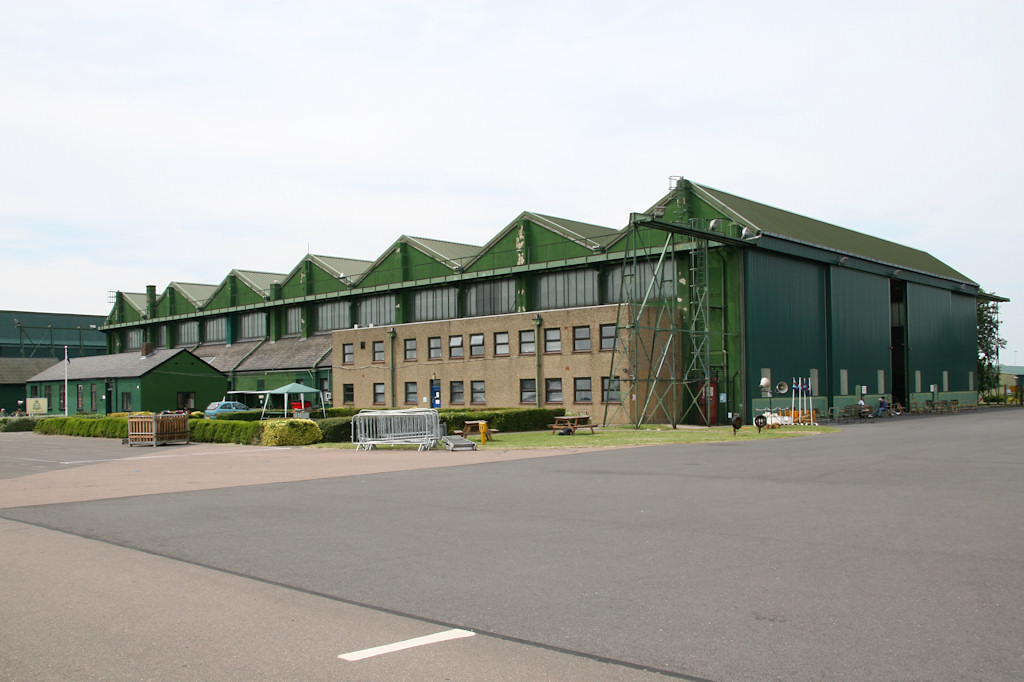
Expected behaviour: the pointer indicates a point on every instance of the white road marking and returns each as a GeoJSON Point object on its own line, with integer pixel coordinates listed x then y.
{"type": "Point", "coordinates": [177, 454]}
{"type": "Point", "coordinates": [407, 644]}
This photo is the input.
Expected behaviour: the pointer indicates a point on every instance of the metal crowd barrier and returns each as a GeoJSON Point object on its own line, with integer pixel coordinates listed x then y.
{"type": "Point", "coordinates": [418, 426]}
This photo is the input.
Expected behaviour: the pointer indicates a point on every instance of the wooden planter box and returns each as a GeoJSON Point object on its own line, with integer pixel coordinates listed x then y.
{"type": "Point", "coordinates": [157, 429]}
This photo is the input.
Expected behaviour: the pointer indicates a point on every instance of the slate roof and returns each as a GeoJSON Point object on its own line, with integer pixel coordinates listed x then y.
{"type": "Point", "coordinates": [290, 353]}
{"type": "Point", "coordinates": [223, 357]}
{"type": "Point", "coordinates": [795, 227]}
{"type": "Point", "coordinates": [115, 366]}
{"type": "Point", "coordinates": [20, 370]}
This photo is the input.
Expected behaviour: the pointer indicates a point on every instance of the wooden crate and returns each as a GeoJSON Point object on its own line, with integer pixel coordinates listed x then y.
{"type": "Point", "coordinates": [157, 429]}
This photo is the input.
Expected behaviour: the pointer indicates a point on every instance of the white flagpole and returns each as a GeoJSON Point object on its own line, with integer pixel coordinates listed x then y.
{"type": "Point", "coordinates": [66, 396]}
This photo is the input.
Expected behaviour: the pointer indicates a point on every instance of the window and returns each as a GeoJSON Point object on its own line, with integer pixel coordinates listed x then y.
{"type": "Point", "coordinates": [501, 343]}
{"type": "Point", "coordinates": [293, 321]}
{"type": "Point", "coordinates": [187, 401]}
{"type": "Point", "coordinates": [410, 392]}
{"type": "Point", "coordinates": [348, 353]}
{"type": "Point", "coordinates": [434, 348]}
{"type": "Point", "coordinates": [527, 342]}
{"type": "Point", "coordinates": [332, 315]}
{"type": "Point", "coordinates": [456, 393]}
{"type": "Point", "coordinates": [580, 339]}
{"type": "Point", "coordinates": [410, 350]}
{"type": "Point", "coordinates": [528, 390]}
{"type": "Point", "coordinates": [126, 402]}
{"type": "Point", "coordinates": [581, 390]}
{"type": "Point", "coordinates": [607, 337]}
{"type": "Point", "coordinates": [492, 297]}
{"type": "Point", "coordinates": [81, 397]}
{"type": "Point", "coordinates": [348, 393]}
{"type": "Point", "coordinates": [214, 330]}
{"type": "Point", "coordinates": [161, 336]}
{"type": "Point", "coordinates": [48, 394]}
{"type": "Point", "coordinates": [253, 326]}
{"type": "Point", "coordinates": [610, 390]}
{"type": "Point", "coordinates": [62, 397]}
{"type": "Point", "coordinates": [133, 339]}
{"type": "Point", "coordinates": [378, 351]}
{"type": "Point", "coordinates": [566, 289]}
{"type": "Point", "coordinates": [188, 333]}
{"type": "Point", "coordinates": [439, 303]}
{"type": "Point", "coordinates": [478, 394]}
{"type": "Point", "coordinates": [92, 397]}
{"type": "Point", "coordinates": [455, 347]}
{"type": "Point", "coordinates": [553, 340]}
{"type": "Point", "coordinates": [261, 384]}
{"type": "Point", "coordinates": [630, 283]}
{"type": "Point", "coordinates": [378, 394]}
{"type": "Point", "coordinates": [33, 391]}
{"type": "Point", "coordinates": [476, 345]}
{"type": "Point", "coordinates": [377, 310]}
{"type": "Point", "coordinates": [553, 390]}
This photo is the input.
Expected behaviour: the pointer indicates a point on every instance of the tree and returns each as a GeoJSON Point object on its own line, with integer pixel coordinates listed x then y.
{"type": "Point", "coordinates": [989, 343]}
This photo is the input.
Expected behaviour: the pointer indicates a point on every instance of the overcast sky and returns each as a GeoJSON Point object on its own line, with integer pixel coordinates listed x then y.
{"type": "Point", "coordinates": [149, 142]}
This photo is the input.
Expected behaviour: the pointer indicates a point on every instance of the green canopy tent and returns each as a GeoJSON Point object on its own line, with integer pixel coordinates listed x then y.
{"type": "Point", "coordinates": [300, 391]}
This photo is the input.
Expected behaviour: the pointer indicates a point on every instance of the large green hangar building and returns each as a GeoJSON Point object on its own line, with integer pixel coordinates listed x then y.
{"type": "Point", "coordinates": [679, 317]}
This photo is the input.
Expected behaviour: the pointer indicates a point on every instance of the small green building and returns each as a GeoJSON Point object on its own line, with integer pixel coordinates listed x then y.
{"type": "Point", "coordinates": [166, 379]}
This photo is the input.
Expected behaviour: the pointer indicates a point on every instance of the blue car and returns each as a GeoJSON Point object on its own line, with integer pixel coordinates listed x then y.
{"type": "Point", "coordinates": [213, 410]}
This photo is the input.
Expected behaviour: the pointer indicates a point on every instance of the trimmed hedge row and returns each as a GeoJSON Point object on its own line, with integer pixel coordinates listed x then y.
{"type": "Point", "coordinates": [88, 427]}
{"type": "Point", "coordinates": [290, 432]}
{"type": "Point", "coordinates": [18, 424]}
{"type": "Point", "coordinates": [225, 431]}
{"type": "Point", "coordinates": [339, 429]}
{"type": "Point", "coordinates": [508, 420]}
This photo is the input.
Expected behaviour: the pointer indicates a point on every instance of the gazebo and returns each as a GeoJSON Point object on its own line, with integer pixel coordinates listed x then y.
{"type": "Point", "coordinates": [300, 391]}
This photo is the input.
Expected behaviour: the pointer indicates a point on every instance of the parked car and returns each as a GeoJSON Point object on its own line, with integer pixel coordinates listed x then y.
{"type": "Point", "coordinates": [213, 410]}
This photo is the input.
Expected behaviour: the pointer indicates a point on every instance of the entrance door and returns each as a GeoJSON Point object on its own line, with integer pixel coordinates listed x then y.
{"type": "Point", "coordinates": [898, 342]}
{"type": "Point", "coordinates": [435, 393]}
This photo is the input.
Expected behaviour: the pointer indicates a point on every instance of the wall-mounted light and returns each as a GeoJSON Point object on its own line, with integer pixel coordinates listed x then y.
{"type": "Point", "coordinates": [844, 260]}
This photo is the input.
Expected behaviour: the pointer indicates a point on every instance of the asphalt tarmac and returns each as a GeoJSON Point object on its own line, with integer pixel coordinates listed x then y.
{"type": "Point", "coordinates": [888, 551]}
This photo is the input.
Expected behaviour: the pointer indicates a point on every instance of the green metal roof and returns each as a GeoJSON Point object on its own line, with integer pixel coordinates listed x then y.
{"type": "Point", "coordinates": [452, 254]}
{"type": "Point", "coordinates": [795, 227]}
{"type": "Point", "coordinates": [585, 234]}
{"type": "Point", "coordinates": [350, 268]}
{"type": "Point", "coordinates": [259, 281]}
{"type": "Point", "coordinates": [137, 301]}
{"type": "Point", "coordinates": [197, 294]}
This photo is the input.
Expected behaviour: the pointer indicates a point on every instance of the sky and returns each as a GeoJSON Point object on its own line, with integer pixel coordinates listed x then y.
{"type": "Point", "coordinates": [150, 142]}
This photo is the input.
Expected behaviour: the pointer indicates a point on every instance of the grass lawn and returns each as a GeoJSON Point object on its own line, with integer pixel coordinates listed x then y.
{"type": "Point", "coordinates": [620, 436]}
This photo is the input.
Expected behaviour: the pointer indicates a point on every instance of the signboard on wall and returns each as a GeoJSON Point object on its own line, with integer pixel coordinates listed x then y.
{"type": "Point", "coordinates": [36, 406]}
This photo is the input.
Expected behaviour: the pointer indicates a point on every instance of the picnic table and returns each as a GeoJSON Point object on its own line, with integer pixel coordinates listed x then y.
{"type": "Point", "coordinates": [479, 427]}
{"type": "Point", "coordinates": [572, 422]}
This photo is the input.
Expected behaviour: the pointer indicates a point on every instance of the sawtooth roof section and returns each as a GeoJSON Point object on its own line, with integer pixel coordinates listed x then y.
{"type": "Point", "coordinates": [20, 370]}
{"type": "Point", "coordinates": [137, 301]}
{"type": "Point", "coordinates": [594, 238]}
{"type": "Point", "coordinates": [349, 268]}
{"type": "Point", "coordinates": [115, 366]}
{"type": "Point", "coordinates": [223, 357]}
{"type": "Point", "coordinates": [452, 254]}
{"type": "Point", "coordinates": [795, 227]}
{"type": "Point", "coordinates": [197, 294]}
{"type": "Point", "coordinates": [290, 353]}
{"type": "Point", "coordinates": [259, 282]}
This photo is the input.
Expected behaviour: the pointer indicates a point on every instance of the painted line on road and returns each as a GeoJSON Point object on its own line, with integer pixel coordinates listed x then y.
{"type": "Point", "coordinates": [407, 644]}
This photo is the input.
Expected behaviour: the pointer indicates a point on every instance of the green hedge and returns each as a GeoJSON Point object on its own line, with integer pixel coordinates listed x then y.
{"type": "Point", "coordinates": [335, 429]}
{"type": "Point", "coordinates": [507, 420]}
{"type": "Point", "coordinates": [225, 431]}
{"type": "Point", "coordinates": [18, 424]}
{"type": "Point", "coordinates": [250, 416]}
{"type": "Point", "coordinates": [88, 427]}
{"type": "Point", "coordinates": [279, 432]}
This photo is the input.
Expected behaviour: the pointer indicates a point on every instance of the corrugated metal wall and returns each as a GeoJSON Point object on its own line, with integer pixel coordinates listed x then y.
{"type": "Point", "coordinates": [941, 337]}
{"type": "Point", "coordinates": [786, 319]}
{"type": "Point", "coordinates": [860, 332]}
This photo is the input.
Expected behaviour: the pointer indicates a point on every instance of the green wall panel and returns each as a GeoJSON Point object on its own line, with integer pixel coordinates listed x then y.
{"type": "Point", "coordinates": [860, 330]}
{"type": "Point", "coordinates": [786, 319]}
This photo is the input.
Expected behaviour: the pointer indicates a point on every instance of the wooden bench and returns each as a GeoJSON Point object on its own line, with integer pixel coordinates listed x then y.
{"type": "Point", "coordinates": [572, 423]}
